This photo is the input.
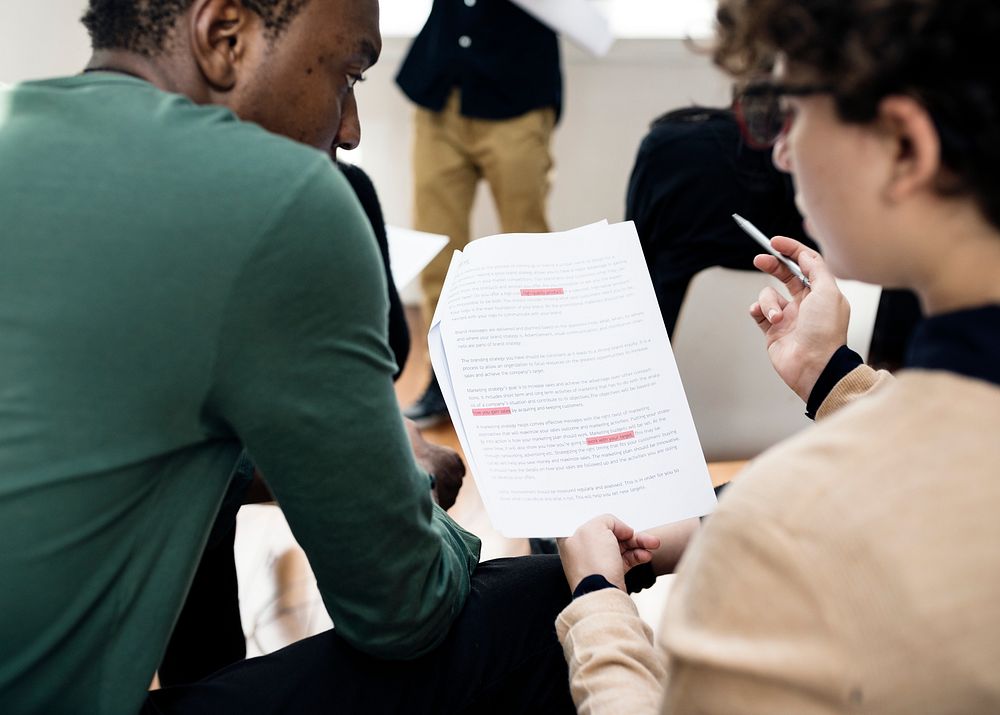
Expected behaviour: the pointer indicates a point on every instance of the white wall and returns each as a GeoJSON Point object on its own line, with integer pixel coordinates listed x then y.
{"type": "Point", "coordinates": [41, 38]}
{"type": "Point", "coordinates": [609, 102]}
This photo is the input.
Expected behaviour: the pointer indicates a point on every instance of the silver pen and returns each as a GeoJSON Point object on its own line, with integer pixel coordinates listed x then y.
{"type": "Point", "coordinates": [760, 238]}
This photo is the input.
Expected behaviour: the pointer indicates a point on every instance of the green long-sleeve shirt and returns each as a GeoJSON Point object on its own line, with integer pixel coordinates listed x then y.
{"type": "Point", "coordinates": [175, 283]}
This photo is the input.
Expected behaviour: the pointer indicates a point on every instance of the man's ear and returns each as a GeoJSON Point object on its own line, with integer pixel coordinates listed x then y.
{"type": "Point", "coordinates": [916, 146]}
{"type": "Point", "coordinates": [220, 37]}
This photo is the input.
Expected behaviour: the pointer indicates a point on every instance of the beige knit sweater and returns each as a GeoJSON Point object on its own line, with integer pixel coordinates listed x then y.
{"type": "Point", "coordinates": [852, 569]}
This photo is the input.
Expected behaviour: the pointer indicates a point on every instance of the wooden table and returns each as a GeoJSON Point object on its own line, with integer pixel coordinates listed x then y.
{"type": "Point", "coordinates": [723, 472]}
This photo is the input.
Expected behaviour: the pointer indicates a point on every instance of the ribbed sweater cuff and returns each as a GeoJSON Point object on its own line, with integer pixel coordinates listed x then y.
{"type": "Point", "coordinates": [604, 601]}
{"type": "Point", "coordinates": [859, 381]}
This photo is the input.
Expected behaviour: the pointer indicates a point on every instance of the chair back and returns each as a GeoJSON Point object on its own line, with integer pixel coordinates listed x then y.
{"type": "Point", "coordinates": [739, 404]}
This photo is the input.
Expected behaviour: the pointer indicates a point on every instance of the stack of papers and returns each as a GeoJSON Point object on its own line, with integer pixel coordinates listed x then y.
{"type": "Point", "coordinates": [560, 381]}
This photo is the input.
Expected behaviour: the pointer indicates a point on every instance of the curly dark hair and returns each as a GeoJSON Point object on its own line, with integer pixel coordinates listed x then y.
{"type": "Point", "coordinates": [941, 52]}
{"type": "Point", "coordinates": [143, 26]}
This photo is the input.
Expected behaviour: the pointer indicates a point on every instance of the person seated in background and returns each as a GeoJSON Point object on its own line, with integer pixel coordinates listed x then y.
{"type": "Point", "coordinates": [443, 464]}
{"type": "Point", "coordinates": [179, 286]}
{"type": "Point", "coordinates": [693, 171]}
{"type": "Point", "coordinates": [853, 567]}
{"type": "Point", "coordinates": [364, 189]}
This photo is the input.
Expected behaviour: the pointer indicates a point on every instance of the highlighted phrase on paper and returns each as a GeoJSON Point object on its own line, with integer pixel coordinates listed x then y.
{"type": "Point", "coordinates": [531, 292]}
{"type": "Point", "coordinates": [490, 411]}
{"type": "Point", "coordinates": [609, 438]}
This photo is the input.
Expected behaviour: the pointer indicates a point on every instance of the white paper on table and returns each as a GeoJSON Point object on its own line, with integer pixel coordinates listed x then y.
{"type": "Point", "coordinates": [560, 381]}
{"type": "Point", "coordinates": [577, 20]}
{"type": "Point", "coordinates": [410, 251]}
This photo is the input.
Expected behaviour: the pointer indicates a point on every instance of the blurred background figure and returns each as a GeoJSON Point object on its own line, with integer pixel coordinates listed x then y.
{"type": "Point", "coordinates": [692, 172]}
{"type": "Point", "coordinates": [486, 79]}
{"type": "Point", "coordinates": [399, 333]}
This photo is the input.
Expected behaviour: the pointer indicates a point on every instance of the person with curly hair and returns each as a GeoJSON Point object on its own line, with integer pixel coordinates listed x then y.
{"type": "Point", "coordinates": [853, 568]}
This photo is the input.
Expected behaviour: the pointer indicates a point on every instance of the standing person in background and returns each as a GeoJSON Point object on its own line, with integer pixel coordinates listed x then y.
{"type": "Point", "coordinates": [486, 80]}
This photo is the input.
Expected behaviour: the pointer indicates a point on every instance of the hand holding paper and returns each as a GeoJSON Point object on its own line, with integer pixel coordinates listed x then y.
{"type": "Point", "coordinates": [607, 547]}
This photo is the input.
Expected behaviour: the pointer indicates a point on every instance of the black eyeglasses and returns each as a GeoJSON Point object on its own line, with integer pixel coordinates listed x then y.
{"type": "Point", "coordinates": [760, 113]}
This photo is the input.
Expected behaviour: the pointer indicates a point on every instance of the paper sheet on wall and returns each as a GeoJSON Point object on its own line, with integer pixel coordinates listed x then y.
{"type": "Point", "coordinates": [410, 251]}
{"type": "Point", "coordinates": [559, 378]}
{"type": "Point", "coordinates": [577, 20]}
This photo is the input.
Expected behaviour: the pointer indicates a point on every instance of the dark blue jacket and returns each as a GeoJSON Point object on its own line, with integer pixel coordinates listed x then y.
{"type": "Point", "coordinates": [503, 61]}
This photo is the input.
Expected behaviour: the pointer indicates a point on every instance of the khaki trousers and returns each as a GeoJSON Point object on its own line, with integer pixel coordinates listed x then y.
{"type": "Point", "coordinates": [452, 153]}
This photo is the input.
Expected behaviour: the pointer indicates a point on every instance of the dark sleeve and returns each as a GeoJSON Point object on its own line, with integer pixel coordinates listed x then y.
{"type": "Point", "coordinates": [681, 194]}
{"type": "Point", "coordinates": [399, 333]}
{"type": "Point", "coordinates": [638, 578]}
{"type": "Point", "coordinates": [647, 204]}
{"type": "Point", "coordinates": [842, 362]}
{"type": "Point", "coordinates": [303, 379]}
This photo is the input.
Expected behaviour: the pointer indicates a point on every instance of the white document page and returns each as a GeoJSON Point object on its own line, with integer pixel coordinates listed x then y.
{"type": "Point", "coordinates": [577, 20]}
{"type": "Point", "coordinates": [563, 388]}
{"type": "Point", "coordinates": [442, 371]}
{"type": "Point", "coordinates": [410, 252]}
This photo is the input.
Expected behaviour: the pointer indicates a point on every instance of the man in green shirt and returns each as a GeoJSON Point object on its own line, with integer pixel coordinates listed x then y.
{"type": "Point", "coordinates": [170, 293]}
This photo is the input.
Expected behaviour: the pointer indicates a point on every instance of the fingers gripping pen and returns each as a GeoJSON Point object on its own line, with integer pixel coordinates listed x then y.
{"type": "Point", "coordinates": [760, 238]}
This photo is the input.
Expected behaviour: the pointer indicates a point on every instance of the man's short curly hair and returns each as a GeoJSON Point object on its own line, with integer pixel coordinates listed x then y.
{"type": "Point", "coordinates": [143, 26]}
{"type": "Point", "coordinates": [941, 52]}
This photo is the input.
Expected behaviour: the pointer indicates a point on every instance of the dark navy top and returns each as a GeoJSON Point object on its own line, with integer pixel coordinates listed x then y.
{"type": "Point", "coordinates": [966, 342]}
{"type": "Point", "coordinates": [504, 62]}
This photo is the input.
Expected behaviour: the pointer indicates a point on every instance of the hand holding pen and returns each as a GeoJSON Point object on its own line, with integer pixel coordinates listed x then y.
{"type": "Point", "coordinates": [803, 331]}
